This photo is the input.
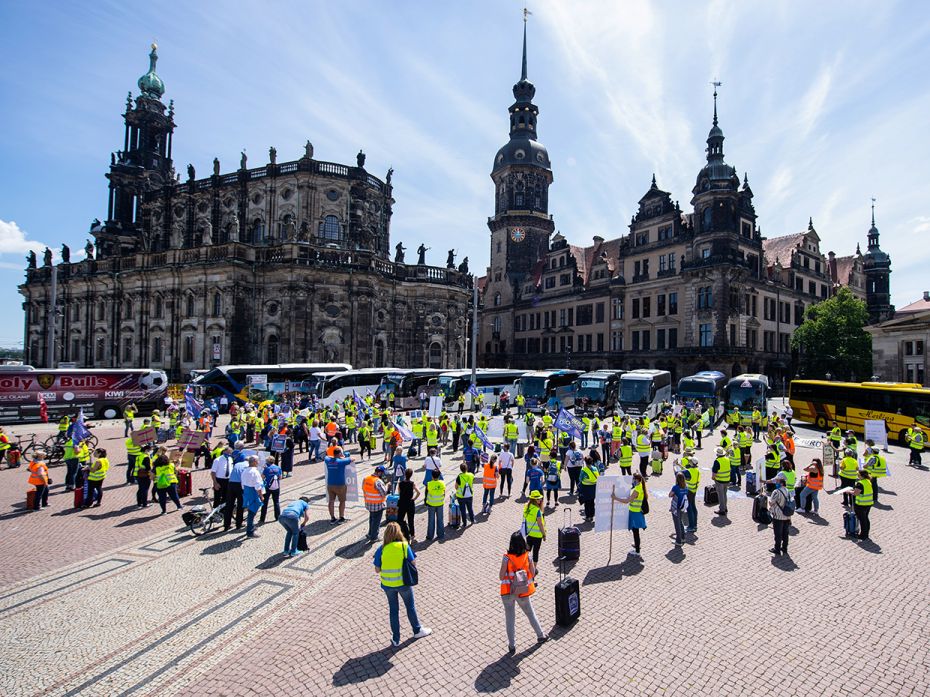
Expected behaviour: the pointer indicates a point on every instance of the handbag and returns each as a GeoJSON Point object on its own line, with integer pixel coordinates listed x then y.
{"type": "Point", "coordinates": [645, 506]}
{"type": "Point", "coordinates": [408, 570]}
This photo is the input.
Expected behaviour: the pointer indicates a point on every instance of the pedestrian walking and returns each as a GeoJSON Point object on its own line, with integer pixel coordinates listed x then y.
{"type": "Point", "coordinates": [375, 493]}
{"type": "Point", "coordinates": [142, 475]}
{"type": "Point", "coordinates": [234, 493]}
{"type": "Point", "coordinates": [505, 468]}
{"type": "Point", "coordinates": [587, 486]}
{"type": "Point", "coordinates": [95, 476]}
{"type": "Point", "coordinates": [253, 492]}
{"type": "Point", "coordinates": [435, 505]}
{"type": "Point", "coordinates": [489, 483]}
{"type": "Point", "coordinates": [863, 503]}
{"type": "Point", "coordinates": [38, 478]}
{"type": "Point", "coordinates": [408, 493]}
{"type": "Point", "coordinates": [389, 562]}
{"type": "Point", "coordinates": [271, 478]}
{"type": "Point", "coordinates": [219, 472]}
{"type": "Point", "coordinates": [639, 506]}
{"type": "Point", "coordinates": [464, 493]}
{"type": "Point", "coordinates": [533, 527]}
{"type": "Point", "coordinates": [721, 472]}
{"type": "Point", "coordinates": [517, 577]}
{"type": "Point", "coordinates": [553, 478]}
{"type": "Point", "coordinates": [293, 518]}
{"type": "Point", "coordinates": [166, 482]}
{"type": "Point", "coordinates": [573, 461]}
{"type": "Point", "coordinates": [336, 484]}
{"type": "Point", "coordinates": [780, 507]}
{"type": "Point", "coordinates": [678, 506]}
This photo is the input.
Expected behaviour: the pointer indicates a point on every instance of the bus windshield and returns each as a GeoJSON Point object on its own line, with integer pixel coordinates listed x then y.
{"type": "Point", "coordinates": [745, 397]}
{"type": "Point", "coordinates": [635, 391]}
{"type": "Point", "coordinates": [690, 387]}
{"type": "Point", "coordinates": [591, 389]}
{"type": "Point", "coordinates": [533, 387]}
{"type": "Point", "coordinates": [450, 386]}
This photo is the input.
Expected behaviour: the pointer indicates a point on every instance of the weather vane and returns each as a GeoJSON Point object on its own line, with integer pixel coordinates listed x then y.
{"type": "Point", "coordinates": [526, 13]}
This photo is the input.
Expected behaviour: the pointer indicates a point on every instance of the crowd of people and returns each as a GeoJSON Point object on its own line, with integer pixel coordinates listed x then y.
{"type": "Point", "coordinates": [360, 433]}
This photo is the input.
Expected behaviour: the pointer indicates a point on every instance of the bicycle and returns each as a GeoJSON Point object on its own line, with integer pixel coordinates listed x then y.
{"type": "Point", "coordinates": [25, 447]}
{"type": "Point", "coordinates": [201, 519]}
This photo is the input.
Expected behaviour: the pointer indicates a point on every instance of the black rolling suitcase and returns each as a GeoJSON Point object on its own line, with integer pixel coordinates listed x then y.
{"type": "Point", "coordinates": [567, 599]}
{"type": "Point", "coordinates": [569, 539]}
{"type": "Point", "coordinates": [710, 495]}
{"type": "Point", "coordinates": [760, 509]}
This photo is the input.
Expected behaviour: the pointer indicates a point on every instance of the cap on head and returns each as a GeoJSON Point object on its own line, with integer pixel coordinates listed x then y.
{"type": "Point", "coordinates": [720, 451]}
{"type": "Point", "coordinates": [379, 469]}
{"type": "Point", "coordinates": [780, 477]}
{"type": "Point", "coordinates": [535, 495]}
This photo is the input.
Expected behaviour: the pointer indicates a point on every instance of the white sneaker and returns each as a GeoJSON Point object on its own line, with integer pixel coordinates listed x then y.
{"type": "Point", "coordinates": [424, 632]}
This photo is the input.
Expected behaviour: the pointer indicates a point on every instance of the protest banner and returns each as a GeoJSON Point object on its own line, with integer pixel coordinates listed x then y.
{"type": "Point", "coordinates": [278, 444]}
{"type": "Point", "coordinates": [191, 440]}
{"type": "Point", "coordinates": [144, 436]}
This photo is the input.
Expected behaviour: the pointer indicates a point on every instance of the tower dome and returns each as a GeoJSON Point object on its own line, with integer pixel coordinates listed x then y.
{"type": "Point", "coordinates": [150, 85]}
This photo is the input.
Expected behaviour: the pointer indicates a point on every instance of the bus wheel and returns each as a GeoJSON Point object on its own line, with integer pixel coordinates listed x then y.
{"type": "Point", "coordinates": [109, 412]}
{"type": "Point", "coordinates": [821, 422]}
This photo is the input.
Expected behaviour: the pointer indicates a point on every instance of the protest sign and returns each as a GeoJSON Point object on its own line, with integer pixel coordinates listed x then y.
{"type": "Point", "coordinates": [603, 505]}
{"type": "Point", "coordinates": [144, 436]}
{"type": "Point", "coordinates": [191, 440]}
{"type": "Point", "coordinates": [278, 444]}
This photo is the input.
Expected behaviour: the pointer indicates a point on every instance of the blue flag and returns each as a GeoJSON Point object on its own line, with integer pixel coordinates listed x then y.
{"type": "Point", "coordinates": [192, 405]}
{"type": "Point", "coordinates": [483, 438]}
{"type": "Point", "coordinates": [568, 423]}
{"type": "Point", "coordinates": [79, 431]}
{"type": "Point", "coordinates": [472, 390]}
{"type": "Point", "coordinates": [362, 407]}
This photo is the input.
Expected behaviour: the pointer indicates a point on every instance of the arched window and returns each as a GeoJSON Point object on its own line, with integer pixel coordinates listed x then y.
{"type": "Point", "coordinates": [127, 309]}
{"type": "Point", "coordinates": [496, 325]}
{"type": "Point", "coordinates": [101, 310]}
{"type": "Point", "coordinates": [282, 226]}
{"type": "Point", "coordinates": [158, 308]}
{"type": "Point", "coordinates": [379, 353]}
{"type": "Point", "coordinates": [217, 305]}
{"type": "Point", "coordinates": [330, 229]}
{"type": "Point", "coordinates": [497, 299]}
{"type": "Point", "coordinates": [706, 219]}
{"type": "Point", "coordinates": [189, 309]}
{"type": "Point", "coordinates": [435, 355]}
{"type": "Point", "coordinates": [271, 353]}
{"type": "Point", "coordinates": [258, 230]}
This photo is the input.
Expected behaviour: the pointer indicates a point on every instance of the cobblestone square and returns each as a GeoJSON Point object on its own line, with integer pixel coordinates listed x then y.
{"type": "Point", "coordinates": [117, 600]}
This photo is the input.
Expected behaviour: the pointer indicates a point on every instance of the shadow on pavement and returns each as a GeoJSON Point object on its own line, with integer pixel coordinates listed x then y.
{"type": "Point", "coordinates": [615, 572]}
{"type": "Point", "coordinates": [272, 562]}
{"type": "Point", "coordinates": [498, 675]}
{"type": "Point", "coordinates": [718, 521]}
{"type": "Point", "coordinates": [113, 513]}
{"type": "Point", "coordinates": [371, 665]}
{"type": "Point", "coordinates": [883, 506]}
{"type": "Point", "coordinates": [676, 555]}
{"type": "Point", "coordinates": [784, 563]}
{"type": "Point", "coordinates": [224, 546]}
{"type": "Point", "coordinates": [318, 527]}
{"type": "Point", "coordinates": [353, 550]}
{"type": "Point", "coordinates": [870, 546]}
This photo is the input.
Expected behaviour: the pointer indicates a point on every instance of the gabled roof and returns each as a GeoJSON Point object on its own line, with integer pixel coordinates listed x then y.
{"type": "Point", "coordinates": [482, 283]}
{"type": "Point", "coordinates": [780, 248]}
{"type": "Point", "coordinates": [916, 306]}
{"type": "Point", "coordinates": [587, 257]}
{"type": "Point", "coordinates": [844, 268]}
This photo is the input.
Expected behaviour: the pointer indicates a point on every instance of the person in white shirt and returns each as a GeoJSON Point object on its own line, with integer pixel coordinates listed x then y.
{"type": "Point", "coordinates": [433, 462]}
{"type": "Point", "coordinates": [314, 440]}
{"type": "Point", "coordinates": [253, 493]}
{"type": "Point", "coordinates": [224, 404]}
{"type": "Point", "coordinates": [505, 464]}
{"type": "Point", "coordinates": [219, 473]}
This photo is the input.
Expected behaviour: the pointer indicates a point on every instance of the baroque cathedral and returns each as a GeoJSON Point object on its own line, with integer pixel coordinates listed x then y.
{"type": "Point", "coordinates": [272, 263]}
{"type": "Point", "coordinates": [683, 290]}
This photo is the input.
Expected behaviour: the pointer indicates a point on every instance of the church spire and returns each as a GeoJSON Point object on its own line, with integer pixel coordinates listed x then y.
{"type": "Point", "coordinates": [715, 137]}
{"type": "Point", "coordinates": [526, 13]}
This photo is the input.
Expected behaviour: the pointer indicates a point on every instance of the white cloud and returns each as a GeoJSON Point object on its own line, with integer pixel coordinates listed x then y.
{"type": "Point", "coordinates": [13, 239]}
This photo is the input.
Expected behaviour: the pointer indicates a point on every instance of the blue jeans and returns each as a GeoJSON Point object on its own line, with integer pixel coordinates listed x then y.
{"type": "Point", "coordinates": [374, 522]}
{"type": "Point", "coordinates": [679, 526]}
{"type": "Point", "coordinates": [71, 473]}
{"type": "Point", "coordinates": [314, 450]}
{"type": "Point", "coordinates": [434, 522]}
{"type": "Point", "coordinates": [465, 510]}
{"type": "Point", "coordinates": [488, 494]}
{"type": "Point", "coordinates": [692, 510]}
{"type": "Point", "coordinates": [127, 427]}
{"type": "Point", "coordinates": [250, 522]}
{"type": "Point", "coordinates": [291, 523]}
{"type": "Point", "coordinates": [405, 592]}
{"type": "Point", "coordinates": [814, 495]}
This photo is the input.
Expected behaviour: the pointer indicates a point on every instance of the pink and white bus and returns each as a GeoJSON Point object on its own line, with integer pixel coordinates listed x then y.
{"type": "Point", "coordinates": [100, 393]}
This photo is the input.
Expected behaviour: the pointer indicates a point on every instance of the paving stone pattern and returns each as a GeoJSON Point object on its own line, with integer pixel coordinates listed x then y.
{"type": "Point", "coordinates": [106, 607]}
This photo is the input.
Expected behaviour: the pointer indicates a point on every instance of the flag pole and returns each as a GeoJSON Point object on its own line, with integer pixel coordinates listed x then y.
{"type": "Point", "coordinates": [610, 553]}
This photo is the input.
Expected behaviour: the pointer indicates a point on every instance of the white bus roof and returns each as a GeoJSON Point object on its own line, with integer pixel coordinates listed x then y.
{"type": "Point", "coordinates": [644, 373]}
{"type": "Point", "coordinates": [356, 371]}
{"type": "Point", "coordinates": [312, 367]}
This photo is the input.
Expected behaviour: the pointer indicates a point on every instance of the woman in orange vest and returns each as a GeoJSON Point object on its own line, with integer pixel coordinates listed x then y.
{"type": "Point", "coordinates": [489, 480]}
{"type": "Point", "coordinates": [375, 493]}
{"type": "Point", "coordinates": [813, 485]}
{"type": "Point", "coordinates": [38, 477]}
{"type": "Point", "coordinates": [517, 575]}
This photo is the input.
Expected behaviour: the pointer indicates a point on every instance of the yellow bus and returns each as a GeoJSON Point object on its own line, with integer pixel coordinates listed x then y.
{"type": "Point", "coordinates": [900, 404]}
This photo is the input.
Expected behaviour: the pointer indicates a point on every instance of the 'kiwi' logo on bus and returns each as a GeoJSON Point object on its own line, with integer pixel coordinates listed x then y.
{"type": "Point", "coordinates": [46, 381]}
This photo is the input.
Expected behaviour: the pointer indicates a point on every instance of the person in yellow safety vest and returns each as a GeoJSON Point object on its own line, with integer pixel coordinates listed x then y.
{"type": "Point", "coordinates": [689, 467]}
{"type": "Point", "coordinates": [915, 441]}
{"type": "Point", "coordinates": [95, 476]}
{"type": "Point", "coordinates": [547, 419]}
{"type": "Point", "coordinates": [864, 498]}
{"type": "Point", "coordinates": [836, 437]}
{"type": "Point", "coordinates": [156, 420]}
{"type": "Point", "coordinates": [416, 428]}
{"type": "Point", "coordinates": [132, 452]}
{"type": "Point", "coordinates": [534, 523]}
{"type": "Point", "coordinates": [375, 493]}
{"type": "Point", "coordinates": [142, 474]}
{"type": "Point", "coordinates": [4, 444]}
{"type": "Point", "coordinates": [521, 404]}
{"type": "Point", "coordinates": [643, 449]}
{"type": "Point", "coordinates": [489, 482]}
{"type": "Point", "coordinates": [585, 430]}
{"type": "Point", "coordinates": [721, 470]}
{"type": "Point", "coordinates": [638, 501]}
{"type": "Point", "coordinates": [351, 425]}
{"type": "Point", "coordinates": [389, 563]}
{"type": "Point", "coordinates": [744, 440]}
{"type": "Point", "coordinates": [736, 468]}
{"type": "Point", "coordinates": [687, 440]}
{"type": "Point", "coordinates": [625, 456]}
{"type": "Point", "coordinates": [756, 423]}
{"type": "Point", "coordinates": [364, 440]}
{"type": "Point", "coordinates": [511, 433]}
{"type": "Point", "coordinates": [587, 483]}
{"type": "Point", "coordinates": [435, 502]}
{"type": "Point", "coordinates": [877, 468]}
{"type": "Point", "coordinates": [129, 413]}
{"type": "Point", "coordinates": [460, 401]}
{"type": "Point", "coordinates": [38, 477]}
{"type": "Point", "coordinates": [432, 434]}
{"type": "Point", "coordinates": [166, 483]}
{"type": "Point", "coordinates": [849, 469]}
{"type": "Point", "coordinates": [64, 424]}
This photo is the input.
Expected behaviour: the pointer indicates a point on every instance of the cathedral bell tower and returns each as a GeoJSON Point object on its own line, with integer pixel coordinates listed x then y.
{"type": "Point", "coordinates": [521, 224]}
{"type": "Point", "coordinates": [142, 165]}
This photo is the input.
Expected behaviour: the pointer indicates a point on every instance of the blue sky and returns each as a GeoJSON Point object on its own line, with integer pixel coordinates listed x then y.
{"type": "Point", "coordinates": [824, 104]}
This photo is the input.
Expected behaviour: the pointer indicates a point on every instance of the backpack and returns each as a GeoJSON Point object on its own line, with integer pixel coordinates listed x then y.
{"type": "Point", "coordinates": [788, 507]}
{"type": "Point", "coordinates": [520, 584]}
{"type": "Point", "coordinates": [553, 475]}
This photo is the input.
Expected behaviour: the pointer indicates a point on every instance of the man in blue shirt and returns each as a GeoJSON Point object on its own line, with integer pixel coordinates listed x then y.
{"type": "Point", "coordinates": [234, 491]}
{"type": "Point", "coordinates": [534, 476]}
{"type": "Point", "coordinates": [336, 484]}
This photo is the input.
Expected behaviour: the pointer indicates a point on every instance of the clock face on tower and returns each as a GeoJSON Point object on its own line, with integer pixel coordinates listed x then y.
{"type": "Point", "coordinates": [517, 234]}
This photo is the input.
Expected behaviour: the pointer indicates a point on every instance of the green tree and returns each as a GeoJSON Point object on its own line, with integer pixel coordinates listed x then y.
{"type": "Point", "coordinates": [832, 339]}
